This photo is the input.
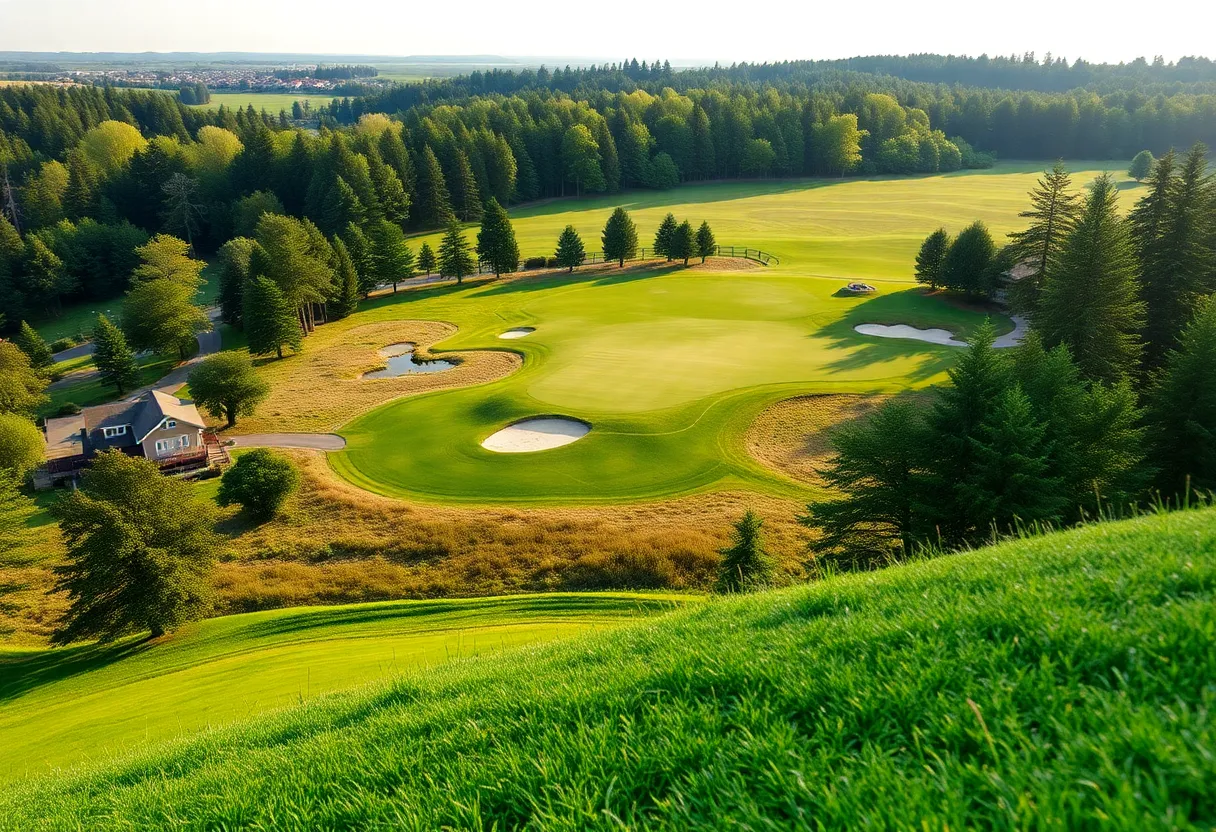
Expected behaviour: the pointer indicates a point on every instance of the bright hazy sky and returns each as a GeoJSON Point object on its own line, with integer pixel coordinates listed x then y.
{"type": "Point", "coordinates": [704, 30]}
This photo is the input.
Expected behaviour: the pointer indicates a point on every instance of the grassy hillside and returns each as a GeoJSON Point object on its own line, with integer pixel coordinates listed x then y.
{"type": "Point", "coordinates": [1064, 682]}
{"type": "Point", "coordinates": [59, 707]}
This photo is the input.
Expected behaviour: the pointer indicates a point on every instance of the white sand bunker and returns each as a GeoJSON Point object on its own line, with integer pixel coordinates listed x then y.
{"type": "Point", "coordinates": [943, 336]}
{"type": "Point", "coordinates": [518, 332]}
{"type": "Point", "coordinates": [539, 434]}
{"type": "Point", "coordinates": [932, 336]}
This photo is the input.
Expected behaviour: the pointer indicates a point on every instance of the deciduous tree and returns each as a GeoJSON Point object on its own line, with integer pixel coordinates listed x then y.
{"type": "Point", "coordinates": [227, 386]}
{"type": "Point", "coordinates": [21, 446]}
{"type": "Point", "coordinates": [260, 482]}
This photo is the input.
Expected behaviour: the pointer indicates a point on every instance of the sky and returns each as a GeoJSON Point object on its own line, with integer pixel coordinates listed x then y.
{"type": "Point", "coordinates": [701, 31]}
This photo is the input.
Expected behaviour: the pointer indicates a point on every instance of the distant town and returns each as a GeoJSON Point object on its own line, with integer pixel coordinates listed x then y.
{"type": "Point", "coordinates": [305, 78]}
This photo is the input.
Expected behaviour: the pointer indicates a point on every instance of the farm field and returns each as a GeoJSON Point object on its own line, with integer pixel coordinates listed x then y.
{"type": "Point", "coordinates": [271, 102]}
{"type": "Point", "coordinates": [669, 366]}
{"type": "Point", "coordinates": [60, 707]}
{"type": "Point", "coordinates": [1062, 681]}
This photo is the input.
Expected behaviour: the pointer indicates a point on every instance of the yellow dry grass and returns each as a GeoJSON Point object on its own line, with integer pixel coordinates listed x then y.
{"type": "Point", "coordinates": [322, 387]}
{"type": "Point", "coordinates": [794, 436]}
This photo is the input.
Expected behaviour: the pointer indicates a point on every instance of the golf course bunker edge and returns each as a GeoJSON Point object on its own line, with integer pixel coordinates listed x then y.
{"type": "Point", "coordinates": [536, 433]}
{"type": "Point", "coordinates": [517, 332]}
{"type": "Point", "coordinates": [931, 336]}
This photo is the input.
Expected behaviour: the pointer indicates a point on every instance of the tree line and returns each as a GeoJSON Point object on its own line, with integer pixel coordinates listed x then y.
{"type": "Point", "coordinates": [1109, 403]}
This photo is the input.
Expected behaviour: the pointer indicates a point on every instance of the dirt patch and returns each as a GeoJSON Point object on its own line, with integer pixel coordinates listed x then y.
{"type": "Point", "coordinates": [322, 387]}
{"type": "Point", "coordinates": [725, 264]}
{"type": "Point", "coordinates": [794, 436]}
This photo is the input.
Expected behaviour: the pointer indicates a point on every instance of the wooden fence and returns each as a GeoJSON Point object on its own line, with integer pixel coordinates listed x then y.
{"type": "Point", "coordinates": [762, 257]}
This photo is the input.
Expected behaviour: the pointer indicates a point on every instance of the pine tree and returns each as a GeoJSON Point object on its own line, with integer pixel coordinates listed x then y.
{"type": "Point", "coordinates": [1171, 229]}
{"type": "Point", "coordinates": [683, 242]}
{"type": "Point", "coordinates": [392, 258]}
{"type": "Point", "coordinates": [434, 206]}
{"type": "Point", "coordinates": [466, 196]}
{"type": "Point", "coordinates": [32, 344]}
{"type": "Point", "coordinates": [114, 360]}
{"type": "Point", "coordinates": [234, 257]}
{"type": "Point", "coordinates": [163, 532]}
{"type": "Point", "coordinates": [1182, 408]}
{"type": "Point", "coordinates": [270, 319]}
{"type": "Point", "coordinates": [362, 254]}
{"type": "Point", "coordinates": [746, 565]}
{"type": "Point", "coordinates": [1089, 300]}
{"type": "Point", "coordinates": [570, 252]}
{"type": "Point", "coordinates": [966, 265]}
{"type": "Point", "coordinates": [706, 244]}
{"type": "Point", "coordinates": [664, 236]}
{"type": "Point", "coordinates": [455, 260]}
{"type": "Point", "coordinates": [878, 469]}
{"type": "Point", "coordinates": [346, 280]}
{"type": "Point", "coordinates": [496, 239]}
{"type": "Point", "coordinates": [620, 237]}
{"type": "Point", "coordinates": [1053, 214]}
{"type": "Point", "coordinates": [426, 258]}
{"type": "Point", "coordinates": [930, 258]}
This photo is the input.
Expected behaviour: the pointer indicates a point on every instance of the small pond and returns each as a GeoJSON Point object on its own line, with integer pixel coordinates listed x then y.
{"type": "Point", "coordinates": [402, 362]}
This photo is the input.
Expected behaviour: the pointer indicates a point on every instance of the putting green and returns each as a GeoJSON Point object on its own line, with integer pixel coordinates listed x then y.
{"type": "Point", "coordinates": [671, 366]}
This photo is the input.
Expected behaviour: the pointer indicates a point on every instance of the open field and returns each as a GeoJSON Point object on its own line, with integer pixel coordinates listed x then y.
{"type": "Point", "coordinates": [60, 707]}
{"type": "Point", "coordinates": [271, 102]}
{"type": "Point", "coordinates": [1060, 682]}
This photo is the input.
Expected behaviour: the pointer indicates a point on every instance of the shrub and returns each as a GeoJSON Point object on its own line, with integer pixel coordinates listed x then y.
{"type": "Point", "coordinates": [534, 263]}
{"type": "Point", "coordinates": [68, 409]}
{"type": "Point", "coordinates": [260, 482]}
{"type": "Point", "coordinates": [551, 263]}
{"type": "Point", "coordinates": [62, 344]}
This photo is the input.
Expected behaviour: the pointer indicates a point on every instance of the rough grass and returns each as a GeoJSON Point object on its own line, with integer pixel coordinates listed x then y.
{"type": "Point", "coordinates": [61, 707]}
{"type": "Point", "coordinates": [1063, 682]}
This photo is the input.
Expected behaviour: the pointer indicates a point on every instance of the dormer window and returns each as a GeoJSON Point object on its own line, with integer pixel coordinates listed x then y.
{"type": "Point", "coordinates": [170, 423]}
{"type": "Point", "coordinates": [117, 430]}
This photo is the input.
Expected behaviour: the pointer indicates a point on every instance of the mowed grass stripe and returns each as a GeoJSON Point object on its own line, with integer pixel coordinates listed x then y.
{"type": "Point", "coordinates": [59, 707]}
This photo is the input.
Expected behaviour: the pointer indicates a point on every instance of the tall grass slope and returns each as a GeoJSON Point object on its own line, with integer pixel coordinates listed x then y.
{"type": "Point", "coordinates": [1063, 682]}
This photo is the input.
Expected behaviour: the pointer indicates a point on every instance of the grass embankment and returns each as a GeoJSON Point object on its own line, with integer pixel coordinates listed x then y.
{"type": "Point", "coordinates": [1063, 682]}
{"type": "Point", "coordinates": [60, 707]}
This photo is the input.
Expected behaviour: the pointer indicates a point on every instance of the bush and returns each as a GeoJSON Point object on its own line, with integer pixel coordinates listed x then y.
{"type": "Point", "coordinates": [62, 344]}
{"type": "Point", "coordinates": [260, 482]}
{"type": "Point", "coordinates": [973, 159]}
{"type": "Point", "coordinates": [68, 409]}
{"type": "Point", "coordinates": [534, 263]}
{"type": "Point", "coordinates": [551, 263]}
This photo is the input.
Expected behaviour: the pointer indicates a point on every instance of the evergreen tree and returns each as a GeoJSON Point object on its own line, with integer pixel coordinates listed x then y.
{"type": "Point", "coordinates": [140, 551]}
{"type": "Point", "coordinates": [1142, 163]}
{"type": "Point", "coordinates": [396, 156]}
{"type": "Point", "coordinates": [1172, 229]}
{"type": "Point", "coordinates": [1053, 215]}
{"type": "Point", "coordinates": [746, 565]}
{"type": "Point", "coordinates": [455, 260]}
{"type": "Point", "coordinates": [620, 237]}
{"type": "Point", "coordinates": [930, 258]}
{"type": "Point", "coordinates": [390, 192]}
{"type": "Point", "coordinates": [363, 256]}
{"type": "Point", "coordinates": [234, 258]}
{"type": "Point", "coordinates": [496, 240]}
{"type": "Point", "coordinates": [466, 197]}
{"type": "Point", "coordinates": [570, 252]}
{"type": "Point", "coordinates": [346, 279]}
{"type": "Point", "coordinates": [114, 360]}
{"type": "Point", "coordinates": [683, 242]}
{"type": "Point", "coordinates": [965, 267]}
{"type": "Point", "coordinates": [426, 259]}
{"type": "Point", "coordinates": [664, 236]}
{"type": "Point", "coordinates": [878, 468]}
{"type": "Point", "coordinates": [43, 274]}
{"type": "Point", "coordinates": [1182, 408]}
{"type": "Point", "coordinates": [706, 244]}
{"type": "Point", "coordinates": [434, 206]}
{"type": "Point", "coordinates": [956, 424]}
{"type": "Point", "coordinates": [226, 385]}
{"type": "Point", "coordinates": [32, 344]}
{"type": "Point", "coordinates": [270, 319]}
{"type": "Point", "coordinates": [392, 259]}
{"type": "Point", "coordinates": [1089, 300]}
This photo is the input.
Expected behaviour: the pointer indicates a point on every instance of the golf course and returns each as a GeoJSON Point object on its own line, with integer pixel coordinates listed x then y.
{"type": "Point", "coordinates": [668, 366]}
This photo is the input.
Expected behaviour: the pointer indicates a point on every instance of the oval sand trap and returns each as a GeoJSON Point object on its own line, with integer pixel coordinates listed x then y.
{"type": "Point", "coordinates": [539, 434]}
{"type": "Point", "coordinates": [518, 332]}
{"type": "Point", "coordinates": [932, 336]}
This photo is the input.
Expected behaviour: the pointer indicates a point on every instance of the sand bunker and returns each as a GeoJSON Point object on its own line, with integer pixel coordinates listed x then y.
{"type": "Point", "coordinates": [942, 336]}
{"type": "Point", "coordinates": [542, 433]}
{"type": "Point", "coordinates": [403, 362]}
{"type": "Point", "coordinates": [518, 332]}
{"type": "Point", "coordinates": [932, 336]}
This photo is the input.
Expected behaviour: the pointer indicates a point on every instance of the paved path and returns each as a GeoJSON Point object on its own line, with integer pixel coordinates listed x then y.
{"type": "Point", "coordinates": [74, 352]}
{"type": "Point", "coordinates": [1012, 339]}
{"type": "Point", "coordinates": [315, 441]}
{"type": "Point", "coordinates": [208, 342]}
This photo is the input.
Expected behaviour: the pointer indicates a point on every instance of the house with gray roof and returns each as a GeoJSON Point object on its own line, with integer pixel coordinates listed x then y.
{"type": "Point", "coordinates": [156, 426]}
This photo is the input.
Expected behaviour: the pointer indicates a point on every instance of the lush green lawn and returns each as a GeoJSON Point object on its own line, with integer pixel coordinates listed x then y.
{"type": "Point", "coordinates": [1064, 682]}
{"type": "Point", "coordinates": [93, 390]}
{"type": "Point", "coordinates": [59, 707]}
{"type": "Point", "coordinates": [670, 367]}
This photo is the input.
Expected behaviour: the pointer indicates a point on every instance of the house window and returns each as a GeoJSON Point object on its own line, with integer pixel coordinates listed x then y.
{"type": "Point", "coordinates": [110, 433]}
{"type": "Point", "coordinates": [168, 446]}
{"type": "Point", "coordinates": [170, 423]}
{"type": "Point", "coordinates": [186, 441]}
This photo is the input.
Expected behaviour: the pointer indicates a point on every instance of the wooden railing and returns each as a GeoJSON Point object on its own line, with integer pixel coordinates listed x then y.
{"type": "Point", "coordinates": [645, 253]}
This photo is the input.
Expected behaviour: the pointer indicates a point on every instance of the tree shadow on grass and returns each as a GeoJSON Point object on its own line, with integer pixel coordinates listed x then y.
{"type": "Point", "coordinates": [23, 672]}
{"type": "Point", "coordinates": [593, 275]}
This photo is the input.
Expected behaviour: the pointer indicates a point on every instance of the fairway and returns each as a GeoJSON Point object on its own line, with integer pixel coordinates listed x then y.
{"type": "Point", "coordinates": [60, 707]}
{"type": "Point", "coordinates": [668, 366]}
